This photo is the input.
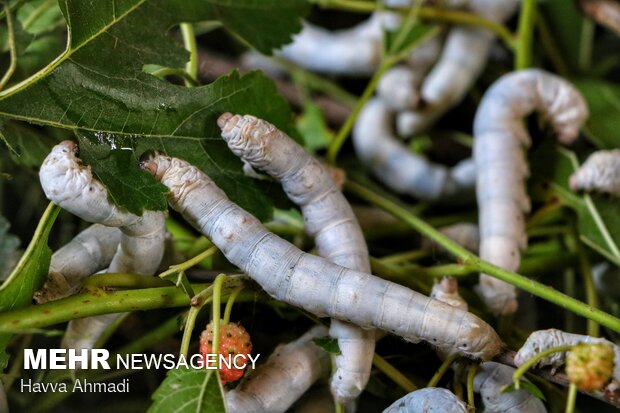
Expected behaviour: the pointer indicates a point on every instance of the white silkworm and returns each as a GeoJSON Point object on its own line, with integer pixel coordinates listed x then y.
{"type": "Point", "coordinates": [499, 138]}
{"type": "Point", "coordinates": [328, 218]}
{"type": "Point", "coordinates": [489, 381]}
{"type": "Point", "coordinates": [600, 172]}
{"type": "Point", "coordinates": [428, 400]}
{"type": "Point", "coordinates": [314, 283]}
{"type": "Point", "coordinates": [274, 386]}
{"type": "Point", "coordinates": [465, 234]}
{"type": "Point", "coordinates": [90, 251]}
{"type": "Point", "coordinates": [402, 170]}
{"type": "Point", "coordinates": [71, 185]}
{"type": "Point", "coordinates": [543, 340]}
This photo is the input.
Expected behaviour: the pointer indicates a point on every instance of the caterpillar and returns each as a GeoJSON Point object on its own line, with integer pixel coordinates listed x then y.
{"type": "Point", "coordinates": [88, 252]}
{"type": "Point", "coordinates": [71, 185]}
{"type": "Point", "coordinates": [328, 218]}
{"type": "Point", "coordinates": [428, 400]}
{"type": "Point", "coordinates": [600, 172]}
{"type": "Point", "coordinates": [314, 283]}
{"type": "Point", "coordinates": [499, 139]}
{"type": "Point", "coordinates": [400, 169]}
{"type": "Point", "coordinates": [489, 382]}
{"type": "Point", "coordinates": [545, 339]}
{"type": "Point", "coordinates": [286, 375]}
{"type": "Point", "coordinates": [491, 377]}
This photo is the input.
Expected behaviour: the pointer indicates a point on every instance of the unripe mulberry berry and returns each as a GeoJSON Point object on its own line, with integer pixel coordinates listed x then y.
{"type": "Point", "coordinates": [590, 366]}
{"type": "Point", "coordinates": [234, 340]}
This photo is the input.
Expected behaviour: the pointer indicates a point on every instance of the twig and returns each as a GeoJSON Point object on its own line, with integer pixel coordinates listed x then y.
{"type": "Point", "coordinates": [12, 47]}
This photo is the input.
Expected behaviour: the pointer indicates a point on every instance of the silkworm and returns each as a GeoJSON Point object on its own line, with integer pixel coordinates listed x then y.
{"type": "Point", "coordinates": [71, 185]}
{"type": "Point", "coordinates": [600, 172]}
{"type": "Point", "coordinates": [400, 169]}
{"type": "Point", "coordinates": [88, 252]}
{"type": "Point", "coordinates": [428, 400]}
{"type": "Point", "coordinates": [499, 139]}
{"type": "Point", "coordinates": [465, 234]}
{"type": "Point", "coordinates": [328, 218]}
{"type": "Point", "coordinates": [545, 339]}
{"type": "Point", "coordinates": [314, 283]}
{"type": "Point", "coordinates": [489, 381]}
{"type": "Point", "coordinates": [286, 375]}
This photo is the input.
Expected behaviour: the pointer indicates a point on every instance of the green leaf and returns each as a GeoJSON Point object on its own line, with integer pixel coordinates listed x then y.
{"type": "Point", "coordinates": [527, 386]}
{"type": "Point", "coordinates": [598, 220]}
{"type": "Point", "coordinates": [604, 104]}
{"type": "Point", "coordinates": [186, 390]}
{"type": "Point", "coordinates": [98, 89]}
{"type": "Point", "coordinates": [566, 23]}
{"type": "Point", "coordinates": [412, 39]}
{"type": "Point", "coordinates": [8, 247]}
{"type": "Point", "coordinates": [28, 146]}
{"type": "Point", "coordinates": [265, 24]}
{"type": "Point", "coordinates": [28, 275]}
{"type": "Point", "coordinates": [311, 124]}
{"type": "Point", "coordinates": [328, 344]}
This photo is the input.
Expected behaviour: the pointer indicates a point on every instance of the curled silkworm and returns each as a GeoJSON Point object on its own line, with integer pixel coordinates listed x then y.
{"type": "Point", "coordinates": [465, 234]}
{"type": "Point", "coordinates": [328, 218]}
{"type": "Point", "coordinates": [499, 139]}
{"type": "Point", "coordinates": [286, 375]}
{"type": "Point", "coordinates": [600, 172]}
{"type": "Point", "coordinates": [314, 283]}
{"type": "Point", "coordinates": [402, 170]}
{"type": "Point", "coordinates": [71, 185]}
{"type": "Point", "coordinates": [90, 251]}
{"type": "Point", "coordinates": [428, 400]}
{"type": "Point", "coordinates": [490, 380]}
{"type": "Point", "coordinates": [545, 339]}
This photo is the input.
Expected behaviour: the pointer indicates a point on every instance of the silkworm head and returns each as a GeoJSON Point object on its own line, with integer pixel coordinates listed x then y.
{"type": "Point", "coordinates": [62, 174]}
{"type": "Point", "coordinates": [477, 339]}
{"type": "Point", "coordinates": [248, 137]}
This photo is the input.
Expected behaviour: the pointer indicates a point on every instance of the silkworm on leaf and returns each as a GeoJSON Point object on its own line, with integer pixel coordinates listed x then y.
{"type": "Point", "coordinates": [545, 339]}
{"type": "Point", "coordinates": [428, 400]}
{"type": "Point", "coordinates": [314, 283]}
{"type": "Point", "coordinates": [286, 375]}
{"type": "Point", "coordinates": [400, 169]}
{"type": "Point", "coordinates": [600, 172]}
{"type": "Point", "coordinates": [88, 252]}
{"type": "Point", "coordinates": [499, 141]}
{"type": "Point", "coordinates": [71, 185]}
{"type": "Point", "coordinates": [328, 218]}
{"type": "Point", "coordinates": [489, 382]}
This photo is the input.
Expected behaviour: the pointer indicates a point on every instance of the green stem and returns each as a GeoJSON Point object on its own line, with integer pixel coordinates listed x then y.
{"type": "Point", "coordinates": [217, 301]}
{"type": "Point", "coordinates": [336, 144]}
{"type": "Point", "coordinates": [189, 40]}
{"type": "Point", "coordinates": [585, 45]}
{"type": "Point", "coordinates": [525, 34]}
{"type": "Point", "coordinates": [156, 335]}
{"type": "Point", "coordinates": [516, 377]}
{"type": "Point", "coordinates": [434, 381]}
{"type": "Point", "coordinates": [12, 47]}
{"type": "Point", "coordinates": [588, 283]}
{"type": "Point", "coordinates": [471, 374]}
{"type": "Point", "coordinates": [392, 372]}
{"type": "Point", "coordinates": [190, 323]}
{"type": "Point", "coordinates": [171, 71]}
{"type": "Point", "coordinates": [184, 266]}
{"type": "Point", "coordinates": [454, 270]}
{"type": "Point", "coordinates": [229, 304]}
{"type": "Point", "coordinates": [571, 398]}
{"type": "Point", "coordinates": [93, 302]}
{"type": "Point", "coordinates": [122, 280]}
{"type": "Point", "coordinates": [467, 258]}
{"type": "Point", "coordinates": [407, 256]}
